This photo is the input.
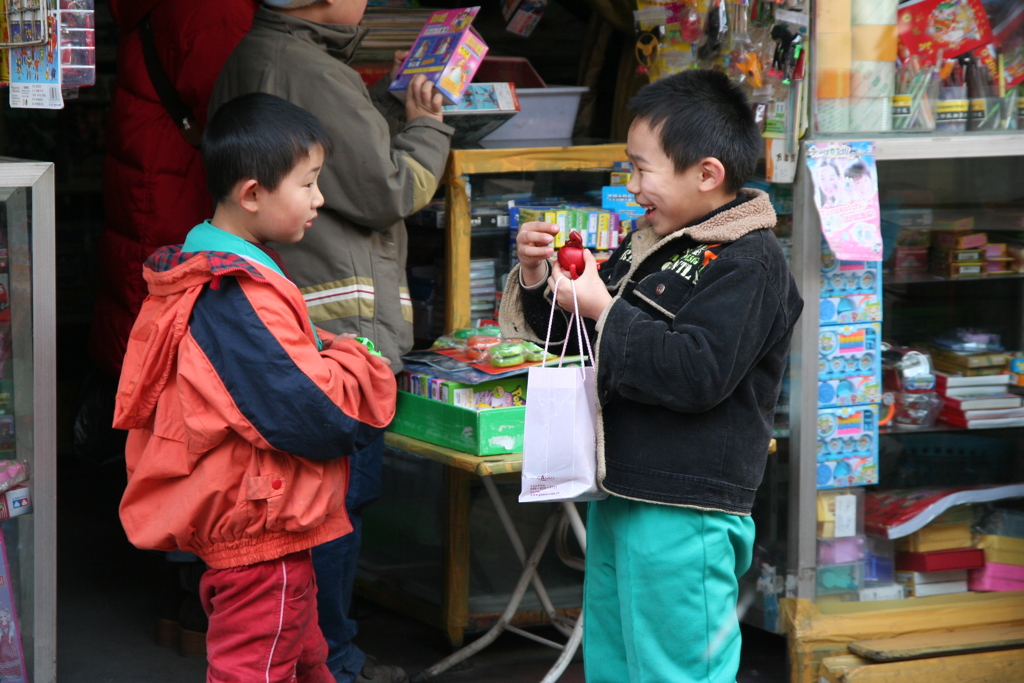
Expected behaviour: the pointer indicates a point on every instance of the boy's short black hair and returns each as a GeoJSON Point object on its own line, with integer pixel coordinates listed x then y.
{"type": "Point", "coordinates": [258, 136]}
{"type": "Point", "coordinates": [700, 113]}
{"type": "Point", "coordinates": [857, 170]}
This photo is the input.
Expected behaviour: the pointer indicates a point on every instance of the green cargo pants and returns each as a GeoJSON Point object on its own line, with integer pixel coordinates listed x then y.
{"type": "Point", "coordinates": [660, 593]}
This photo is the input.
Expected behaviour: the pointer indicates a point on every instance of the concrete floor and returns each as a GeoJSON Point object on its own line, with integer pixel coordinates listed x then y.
{"type": "Point", "coordinates": [107, 603]}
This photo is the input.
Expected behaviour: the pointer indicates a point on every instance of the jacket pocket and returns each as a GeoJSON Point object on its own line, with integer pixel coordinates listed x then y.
{"type": "Point", "coordinates": [663, 294]}
{"type": "Point", "coordinates": [291, 494]}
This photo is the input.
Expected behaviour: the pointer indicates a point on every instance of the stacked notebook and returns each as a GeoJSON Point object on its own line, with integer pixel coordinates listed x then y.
{"type": "Point", "coordinates": [981, 402]}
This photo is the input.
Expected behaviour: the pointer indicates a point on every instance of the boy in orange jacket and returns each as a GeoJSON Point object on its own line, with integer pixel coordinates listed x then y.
{"type": "Point", "coordinates": [238, 408]}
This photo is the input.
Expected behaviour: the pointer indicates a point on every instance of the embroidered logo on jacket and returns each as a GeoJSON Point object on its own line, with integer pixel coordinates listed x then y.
{"type": "Point", "coordinates": [691, 263]}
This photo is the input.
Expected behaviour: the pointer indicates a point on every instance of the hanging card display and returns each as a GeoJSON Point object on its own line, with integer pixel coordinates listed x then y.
{"type": "Point", "coordinates": [846, 195]}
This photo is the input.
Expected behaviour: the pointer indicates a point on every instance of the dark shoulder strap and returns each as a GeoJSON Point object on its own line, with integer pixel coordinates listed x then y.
{"type": "Point", "coordinates": [165, 90]}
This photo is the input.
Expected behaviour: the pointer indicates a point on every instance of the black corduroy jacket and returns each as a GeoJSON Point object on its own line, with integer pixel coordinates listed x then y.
{"type": "Point", "coordinates": [690, 356]}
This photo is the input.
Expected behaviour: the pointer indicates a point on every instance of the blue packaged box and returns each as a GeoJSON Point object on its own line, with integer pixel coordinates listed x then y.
{"type": "Point", "coordinates": [847, 447]}
{"type": "Point", "coordinates": [621, 201]}
{"type": "Point", "coordinates": [849, 365]}
{"type": "Point", "coordinates": [851, 291]}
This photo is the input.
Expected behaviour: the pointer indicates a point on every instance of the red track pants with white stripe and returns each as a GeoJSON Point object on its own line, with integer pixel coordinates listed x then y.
{"type": "Point", "coordinates": [263, 623]}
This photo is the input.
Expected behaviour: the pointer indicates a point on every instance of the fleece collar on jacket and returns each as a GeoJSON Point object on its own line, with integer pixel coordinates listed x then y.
{"type": "Point", "coordinates": [720, 226]}
{"type": "Point", "coordinates": [338, 40]}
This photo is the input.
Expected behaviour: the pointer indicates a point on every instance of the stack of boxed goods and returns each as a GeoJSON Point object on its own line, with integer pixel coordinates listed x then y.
{"type": "Point", "coordinates": [983, 402]}
{"type": "Point", "coordinates": [968, 363]}
{"type": "Point", "coordinates": [937, 551]}
{"type": "Point", "coordinates": [998, 260]}
{"type": "Point", "coordinates": [601, 229]}
{"type": "Point", "coordinates": [910, 254]}
{"type": "Point", "coordinates": [948, 246]}
{"type": "Point", "coordinates": [1001, 539]}
{"type": "Point", "coordinates": [934, 560]}
{"type": "Point", "coordinates": [849, 371]}
{"type": "Point", "coordinates": [499, 393]}
{"type": "Point", "coordinates": [468, 392]}
{"type": "Point", "coordinates": [850, 564]}
{"type": "Point", "coordinates": [957, 250]}
{"type": "Point", "coordinates": [973, 380]}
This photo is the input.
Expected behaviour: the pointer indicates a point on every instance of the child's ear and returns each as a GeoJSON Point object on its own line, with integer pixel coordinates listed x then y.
{"type": "Point", "coordinates": [249, 193]}
{"type": "Point", "coordinates": [712, 174]}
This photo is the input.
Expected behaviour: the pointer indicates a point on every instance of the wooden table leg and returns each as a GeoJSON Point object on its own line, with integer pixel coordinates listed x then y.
{"type": "Point", "coordinates": [455, 564]}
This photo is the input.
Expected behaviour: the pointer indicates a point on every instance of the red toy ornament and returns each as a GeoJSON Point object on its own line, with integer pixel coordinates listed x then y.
{"type": "Point", "coordinates": [570, 257]}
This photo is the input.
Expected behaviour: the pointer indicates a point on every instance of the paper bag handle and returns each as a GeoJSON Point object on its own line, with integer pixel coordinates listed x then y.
{"type": "Point", "coordinates": [581, 329]}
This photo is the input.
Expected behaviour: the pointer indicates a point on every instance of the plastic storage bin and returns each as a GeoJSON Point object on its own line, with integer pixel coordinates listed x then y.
{"type": "Point", "coordinates": [833, 551]}
{"type": "Point", "coordinates": [545, 112]}
{"type": "Point", "coordinates": [880, 563]}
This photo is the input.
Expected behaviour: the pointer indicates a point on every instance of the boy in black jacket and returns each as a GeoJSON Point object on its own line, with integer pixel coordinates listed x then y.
{"type": "Point", "coordinates": [694, 314]}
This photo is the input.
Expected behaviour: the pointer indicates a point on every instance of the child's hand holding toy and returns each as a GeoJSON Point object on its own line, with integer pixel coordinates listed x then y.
{"type": "Point", "coordinates": [591, 293]}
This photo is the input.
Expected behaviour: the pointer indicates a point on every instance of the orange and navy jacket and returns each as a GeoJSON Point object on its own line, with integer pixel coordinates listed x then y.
{"type": "Point", "coordinates": [238, 425]}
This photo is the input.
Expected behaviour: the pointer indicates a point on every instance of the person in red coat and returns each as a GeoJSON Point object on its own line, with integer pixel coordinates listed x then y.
{"type": "Point", "coordinates": [154, 192]}
{"type": "Point", "coordinates": [154, 187]}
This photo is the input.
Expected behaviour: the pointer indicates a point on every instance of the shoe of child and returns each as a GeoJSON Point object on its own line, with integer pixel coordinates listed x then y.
{"type": "Point", "coordinates": [381, 673]}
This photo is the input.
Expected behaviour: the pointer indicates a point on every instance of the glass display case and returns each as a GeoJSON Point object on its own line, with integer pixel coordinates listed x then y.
{"type": "Point", "coordinates": [932, 191]}
{"type": "Point", "coordinates": [28, 586]}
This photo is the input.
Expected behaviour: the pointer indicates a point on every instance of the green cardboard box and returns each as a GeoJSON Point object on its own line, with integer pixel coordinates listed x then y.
{"type": "Point", "coordinates": [480, 432]}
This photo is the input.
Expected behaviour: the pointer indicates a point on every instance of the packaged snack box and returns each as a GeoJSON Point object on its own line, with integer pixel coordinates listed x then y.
{"type": "Point", "coordinates": [447, 51]}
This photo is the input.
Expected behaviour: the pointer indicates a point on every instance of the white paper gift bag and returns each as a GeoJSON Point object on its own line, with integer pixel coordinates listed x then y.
{"type": "Point", "coordinates": [560, 440]}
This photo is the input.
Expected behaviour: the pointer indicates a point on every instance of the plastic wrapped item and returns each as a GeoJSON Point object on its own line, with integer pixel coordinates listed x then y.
{"type": "Point", "coordinates": [906, 369]}
{"type": "Point", "coordinates": [506, 354]}
{"type": "Point", "coordinates": [1002, 522]}
{"type": "Point", "coordinates": [77, 43]}
{"type": "Point", "coordinates": [916, 410]}
{"type": "Point", "coordinates": [716, 31]}
{"type": "Point", "coordinates": [966, 340]}
{"type": "Point", "coordinates": [478, 345]}
{"type": "Point", "coordinates": [487, 330]}
{"type": "Point", "coordinates": [534, 353]}
{"type": "Point", "coordinates": [12, 473]}
{"type": "Point", "coordinates": [447, 342]}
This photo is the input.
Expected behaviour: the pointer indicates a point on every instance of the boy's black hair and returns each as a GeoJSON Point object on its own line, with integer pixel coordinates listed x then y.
{"type": "Point", "coordinates": [258, 136]}
{"type": "Point", "coordinates": [699, 114]}
{"type": "Point", "coordinates": [857, 170]}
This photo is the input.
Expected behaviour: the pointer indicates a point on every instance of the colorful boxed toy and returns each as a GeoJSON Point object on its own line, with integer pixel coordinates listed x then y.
{"type": "Point", "coordinates": [959, 239]}
{"type": "Point", "coordinates": [849, 365]}
{"type": "Point", "coordinates": [851, 291]}
{"type": "Point", "coordinates": [447, 51]}
{"type": "Point", "coordinates": [847, 447]}
{"type": "Point", "coordinates": [956, 270]}
{"type": "Point", "coordinates": [973, 255]}
{"type": "Point", "coordinates": [906, 259]}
